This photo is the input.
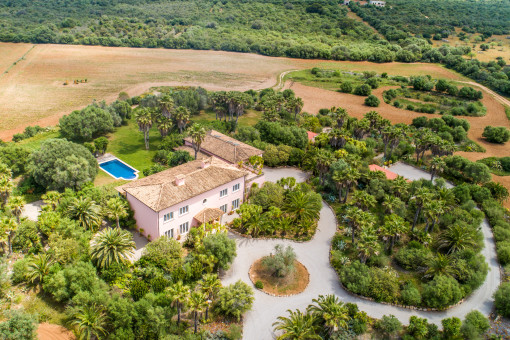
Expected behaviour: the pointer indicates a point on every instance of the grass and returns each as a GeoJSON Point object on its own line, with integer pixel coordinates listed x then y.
{"type": "Point", "coordinates": [34, 143]}
{"type": "Point", "coordinates": [46, 309]}
{"type": "Point", "coordinates": [330, 79]}
{"type": "Point", "coordinates": [250, 118]}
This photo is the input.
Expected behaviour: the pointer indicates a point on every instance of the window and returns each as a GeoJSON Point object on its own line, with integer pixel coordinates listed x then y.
{"type": "Point", "coordinates": [183, 210]}
{"type": "Point", "coordinates": [169, 233]}
{"type": "Point", "coordinates": [184, 228]}
{"type": "Point", "coordinates": [236, 187]}
{"type": "Point", "coordinates": [224, 208]}
{"type": "Point", "coordinates": [168, 217]}
{"type": "Point", "coordinates": [235, 204]}
{"type": "Point", "coordinates": [223, 192]}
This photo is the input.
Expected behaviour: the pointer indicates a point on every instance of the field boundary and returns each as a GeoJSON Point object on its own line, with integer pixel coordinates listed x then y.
{"type": "Point", "coordinates": [17, 61]}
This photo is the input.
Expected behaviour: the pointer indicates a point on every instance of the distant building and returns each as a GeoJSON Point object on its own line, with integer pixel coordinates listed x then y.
{"type": "Point", "coordinates": [389, 174]}
{"type": "Point", "coordinates": [347, 2]}
{"type": "Point", "coordinates": [377, 3]}
{"type": "Point", "coordinates": [311, 136]}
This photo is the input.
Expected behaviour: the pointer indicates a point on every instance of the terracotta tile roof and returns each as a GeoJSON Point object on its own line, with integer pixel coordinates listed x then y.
{"type": "Point", "coordinates": [226, 147]}
{"type": "Point", "coordinates": [311, 135]}
{"type": "Point", "coordinates": [388, 173]}
{"type": "Point", "coordinates": [160, 191]}
{"type": "Point", "coordinates": [208, 215]}
{"type": "Point", "coordinates": [189, 149]}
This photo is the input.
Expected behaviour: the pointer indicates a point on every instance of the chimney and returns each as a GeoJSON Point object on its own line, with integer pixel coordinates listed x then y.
{"type": "Point", "coordinates": [179, 180]}
{"type": "Point", "coordinates": [206, 163]}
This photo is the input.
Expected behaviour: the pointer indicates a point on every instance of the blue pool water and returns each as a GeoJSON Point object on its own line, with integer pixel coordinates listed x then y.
{"type": "Point", "coordinates": [118, 169]}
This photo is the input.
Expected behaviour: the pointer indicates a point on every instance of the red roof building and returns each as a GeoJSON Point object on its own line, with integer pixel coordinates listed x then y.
{"type": "Point", "coordinates": [311, 135]}
{"type": "Point", "coordinates": [388, 173]}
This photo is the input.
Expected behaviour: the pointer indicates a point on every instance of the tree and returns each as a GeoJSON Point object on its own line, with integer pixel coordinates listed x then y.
{"type": "Point", "coordinates": [181, 116]}
{"type": "Point", "coordinates": [502, 299]}
{"type": "Point", "coordinates": [363, 200]}
{"type": "Point", "coordinates": [418, 327]}
{"type": "Point", "coordinates": [111, 246]}
{"type": "Point", "coordinates": [303, 206]}
{"type": "Point", "coordinates": [101, 144]}
{"type": "Point", "coordinates": [441, 292]}
{"type": "Point", "coordinates": [19, 326]}
{"type": "Point", "coordinates": [86, 212]}
{"type": "Point", "coordinates": [346, 87]}
{"type": "Point", "coordinates": [90, 322]}
{"type": "Point", "coordinates": [297, 326]}
{"type": "Point", "coordinates": [116, 208]}
{"type": "Point", "coordinates": [166, 104]}
{"type": "Point", "coordinates": [323, 160]}
{"type": "Point", "coordinates": [221, 247]}
{"type": "Point", "coordinates": [197, 304]}
{"type": "Point", "coordinates": [345, 179]}
{"type": "Point", "coordinates": [436, 167]}
{"type": "Point", "coordinates": [144, 119]}
{"type": "Point", "coordinates": [498, 134]}
{"type": "Point", "coordinates": [164, 125]}
{"type": "Point", "coordinates": [209, 285]}
{"type": "Point", "coordinates": [281, 263]}
{"type": "Point", "coordinates": [332, 313]}
{"type": "Point", "coordinates": [179, 294]}
{"type": "Point", "coordinates": [59, 164]}
{"type": "Point", "coordinates": [8, 226]}
{"type": "Point", "coordinates": [441, 85]}
{"type": "Point", "coordinates": [86, 124]}
{"type": "Point", "coordinates": [457, 237]}
{"type": "Point", "coordinates": [52, 198]}
{"type": "Point", "coordinates": [38, 268]}
{"type": "Point", "coordinates": [295, 105]}
{"type": "Point", "coordinates": [439, 265]}
{"type": "Point", "coordinates": [394, 226]}
{"type": "Point", "coordinates": [234, 300]}
{"type": "Point", "coordinates": [164, 253]}
{"type": "Point", "coordinates": [363, 90]}
{"type": "Point", "coordinates": [16, 205]}
{"type": "Point", "coordinates": [421, 198]}
{"type": "Point", "coordinates": [451, 327]}
{"type": "Point", "coordinates": [367, 245]}
{"type": "Point", "coordinates": [197, 133]}
{"type": "Point", "coordinates": [389, 325]}
{"type": "Point", "coordinates": [372, 101]}
{"type": "Point", "coordinates": [6, 185]}
{"type": "Point", "coordinates": [475, 324]}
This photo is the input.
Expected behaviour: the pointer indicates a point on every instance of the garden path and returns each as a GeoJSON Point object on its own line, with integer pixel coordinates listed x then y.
{"type": "Point", "coordinates": [323, 279]}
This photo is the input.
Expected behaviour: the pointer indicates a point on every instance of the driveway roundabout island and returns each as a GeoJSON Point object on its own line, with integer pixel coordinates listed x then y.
{"type": "Point", "coordinates": [314, 255]}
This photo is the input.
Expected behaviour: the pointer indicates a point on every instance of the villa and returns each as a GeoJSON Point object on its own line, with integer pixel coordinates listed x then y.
{"type": "Point", "coordinates": [377, 3]}
{"type": "Point", "coordinates": [172, 201]}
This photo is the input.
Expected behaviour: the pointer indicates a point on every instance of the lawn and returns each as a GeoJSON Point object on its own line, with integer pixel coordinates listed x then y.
{"type": "Point", "coordinates": [250, 118]}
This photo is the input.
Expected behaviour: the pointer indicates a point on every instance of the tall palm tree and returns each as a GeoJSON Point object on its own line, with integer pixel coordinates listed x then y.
{"type": "Point", "coordinates": [16, 204]}
{"type": "Point", "coordinates": [179, 294]}
{"type": "Point", "coordinates": [363, 200]}
{"type": "Point", "coordinates": [457, 237]}
{"type": "Point", "coordinates": [433, 211]}
{"type": "Point", "coordinates": [421, 197]}
{"type": "Point", "coordinates": [52, 198]}
{"type": "Point", "coordinates": [339, 115]}
{"type": "Point", "coordinates": [355, 218]}
{"type": "Point", "coordinates": [436, 167]}
{"type": "Point", "coordinates": [111, 246]}
{"type": "Point", "coordinates": [209, 285]}
{"type": "Point", "coordinates": [166, 104]}
{"type": "Point", "coordinates": [116, 208]}
{"type": "Point", "coordinates": [144, 118]}
{"type": "Point", "coordinates": [348, 178]}
{"type": "Point", "coordinates": [8, 226]}
{"type": "Point", "coordinates": [302, 206]}
{"type": "Point", "coordinates": [400, 187]}
{"type": "Point", "coordinates": [391, 203]}
{"type": "Point", "coordinates": [323, 160]}
{"type": "Point", "coordinates": [197, 304]}
{"type": "Point", "coordinates": [367, 245]}
{"type": "Point", "coordinates": [86, 212]}
{"type": "Point", "coordinates": [90, 322]}
{"type": "Point", "coordinates": [298, 326]}
{"type": "Point", "coordinates": [181, 116]}
{"type": "Point", "coordinates": [165, 124]}
{"type": "Point", "coordinates": [6, 186]}
{"type": "Point", "coordinates": [39, 267]}
{"type": "Point", "coordinates": [393, 227]}
{"type": "Point", "coordinates": [197, 133]}
{"type": "Point", "coordinates": [331, 311]}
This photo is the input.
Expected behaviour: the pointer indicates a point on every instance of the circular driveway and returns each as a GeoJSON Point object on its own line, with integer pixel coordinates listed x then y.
{"type": "Point", "coordinates": [323, 279]}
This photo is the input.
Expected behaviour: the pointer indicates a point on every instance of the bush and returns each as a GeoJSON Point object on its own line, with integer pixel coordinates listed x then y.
{"type": "Point", "coordinates": [441, 292]}
{"type": "Point", "coordinates": [138, 289]}
{"type": "Point", "coordinates": [475, 324]}
{"type": "Point", "coordinates": [259, 284]}
{"type": "Point", "coordinates": [234, 300]}
{"type": "Point", "coordinates": [363, 90]}
{"type": "Point", "coordinates": [281, 263]}
{"type": "Point", "coordinates": [59, 164]}
{"type": "Point", "coordinates": [499, 134]}
{"type": "Point", "coordinates": [372, 82]}
{"type": "Point", "coordinates": [503, 250]}
{"type": "Point", "coordinates": [451, 327]}
{"type": "Point", "coordinates": [412, 258]}
{"type": "Point", "coordinates": [221, 247]}
{"type": "Point", "coordinates": [346, 87]}
{"type": "Point", "coordinates": [164, 253]}
{"type": "Point", "coordinates": [410, 295]}
{"type": "Point", "coordinates": [356, 278]}
{"type": "Point", "coordinates": [502, 299]}
{"type": "Point", "coordinates": [383, 285]}
{"type": "Point", "coordinates": [372, 101]}
{"type": "Point", "coordinates": [389, 325]}
{"type": "Point", "coordinates": [18, 326]}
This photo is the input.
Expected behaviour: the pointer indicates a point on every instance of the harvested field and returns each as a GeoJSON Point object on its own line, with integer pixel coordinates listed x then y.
{"type": "Point", "coordinates": [10, 53]}
{"type": "Point", "coordinates": [33, 91]}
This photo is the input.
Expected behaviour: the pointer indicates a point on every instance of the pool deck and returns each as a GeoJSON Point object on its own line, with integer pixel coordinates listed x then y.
{"type": "Point", "coordinates": [109, 157]}
{"type": "Point", "coordinates": [105, 158]}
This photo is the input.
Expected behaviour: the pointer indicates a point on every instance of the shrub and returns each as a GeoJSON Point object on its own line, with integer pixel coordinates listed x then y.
{"type": "Point", "coordinates": [498, 134]}
{"type": "Point", "coordinates": [441, 292]}
{"type": "Point", "coordinates": [383, 285]}
{"type": "Point", "coordinates": [502, 299]}
{"type": "Point", "coordinates": [346, 87]}
{"type": "Point", "coordinates": [356, 278]}
{"type": "Point", "coordinates": [164, 253]}
{"type": "Point", "coordinates": [221, 247]}
{"type": "Point", "coordinates": [372, 82]}
{"type": "Point", "coordinates": [372, 101]}
{"type": "Point", "coordinates": [410, 295]}
{"type": "Point", "coordinates": [503, 250]}
{"type": "Point", "coordinates": [418, 327]}
{"type": "Point", "coordinates": [412, 258]}
{"type": "Point", "coordinates": [138, 289]}
{"type": "Point", "coordinates": [363, 90]}
{"type": "Point", "coordinates": [451, 327]}
{"type": "Point", "coordinates": [389, 325]}
{"type": "Point", "coordinates": [281, 263]}
{"type": "Point", "coordinates": [234, 300]}
{"type": "Point", "coordinates": [259, 284]}
{"type": "Point", "coordinates": [18, 326]}
{"type": "Point", "coordinates": [475, 324]}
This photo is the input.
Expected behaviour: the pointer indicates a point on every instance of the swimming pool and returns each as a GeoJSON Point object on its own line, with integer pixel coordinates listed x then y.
{"type": "Point", "coordinates": [118, 169]}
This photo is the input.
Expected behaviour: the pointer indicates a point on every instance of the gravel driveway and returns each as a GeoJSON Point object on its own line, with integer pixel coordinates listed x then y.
{"type": "Point", "coordinates": [323, 279]}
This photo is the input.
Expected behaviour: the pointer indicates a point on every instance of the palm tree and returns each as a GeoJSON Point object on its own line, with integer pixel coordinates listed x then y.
{"type": "Point", "coordinates": [421, 197]}
{"type": "Point", "coordinates": [356, 217]}
{"type": "Point", "coordinates": [165, 124]}
{"type": "Point", "coordinates": [367, 244]}
{"type": "Point", "coordinates": [6, 187]}
{"type": "Point", "coordinates": [302, 206]}
{"type": "Point", "coordinates": [331, 311]}
{"type": "Point", "coordinates": [433, 210]}
{"type": "Point", "coordinates": [457, 237]}
{"type": "Point", "coordinates": [39, 267]}
{"type": "Point", "coordinates": [209, 285]}
{"type": "Point", "coordinates": [181, 116]}
{"type": "Point", "coordinates": [144, 119]}
{"type": "Point", "coordinates": [179, 294]}
{"type": "Point", "coordinates": [339, 115]}
{"type": "Point", "coordinates": [111, 246]}
{"type": "Point", "coordinates": [391, 203]}
{"type": "Point", "coordinates": [16, 204]}
{"type": "Point", "coordinates": [436, 166]}
{"type": "Point", "coordinates": [347, 178]}
{"type": "Point", "coordinates": [116, 208]}
{"type": "Point", "coordinates": [298, 326]}
{"type": "Point", "coordinates": [363, 200]}
{"type": "Point", "coordinates": [8, 226]}
{"type": "Point", "coordinates": [393, 227]}
{"type": "Point", "coordinates": [52, 198]}
{"type": "Point", "coordinates": [166, 104]}
{"type": "Point", "coordinates": [90, 321]}
{"type": "Point", "coordinates": [197, 133]}
{"type": "Point", "coordinates": [439, 265]}
{"type": "Point", "coordinates": [323, 161]}
{"type": "Point", "coordinates": [400, 187]}
{"type": "Point", "coordinates": [86, 212]}
{"type": "Point", "coordinates": [197, 303]}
